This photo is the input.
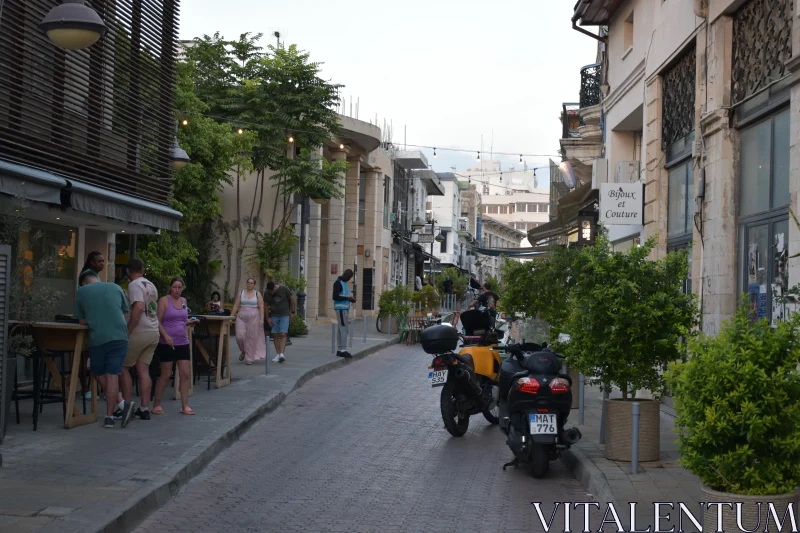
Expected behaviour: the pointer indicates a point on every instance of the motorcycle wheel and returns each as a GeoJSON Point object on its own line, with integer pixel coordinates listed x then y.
{"type": "Point", "coordinates": [493, 416]}
{"type": "Point", "coordinates": [540, 461]}
{"type": "Point", "coordinates": [454, 424]}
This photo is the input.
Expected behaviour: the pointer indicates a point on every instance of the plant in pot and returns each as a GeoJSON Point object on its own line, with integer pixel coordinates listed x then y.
{"type": "Point", "coordinates": [427, 299]}
{"type": "Point", "coordinates": [737, 400]}
{"type": "Point", "coordinates": [627, 315]}
{"type": "Point", "coordinates": [297, 327]}
{"type": "Point", "coordinates": [395, 303]}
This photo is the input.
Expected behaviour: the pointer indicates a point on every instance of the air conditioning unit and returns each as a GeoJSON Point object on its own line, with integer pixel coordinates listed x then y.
{"type": "Point", "coordinates": [627, 172]}
{"type": "Point", "coordinates": [599, 172]}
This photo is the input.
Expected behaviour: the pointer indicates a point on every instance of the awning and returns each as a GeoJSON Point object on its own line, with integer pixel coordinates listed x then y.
{"type": "Point", "coordinates": [30, 183]}
{"type": "Point", "coordinates": [102, 202]}
{"type": "Point", "coordinates": [568, 208]}
{"type": "Point", "coordinates": [512, 252]}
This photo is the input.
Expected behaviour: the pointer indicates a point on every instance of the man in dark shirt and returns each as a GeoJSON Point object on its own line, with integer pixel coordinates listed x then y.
{"type": "Point", "coordinates": [342, 298]}
{"type": "Point", "coordinates": [282, 306]}
{"type": "Point", "coordinates": [487, 298]}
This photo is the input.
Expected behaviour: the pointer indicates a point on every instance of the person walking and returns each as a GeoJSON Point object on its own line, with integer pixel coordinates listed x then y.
{"type": "Point", "coordinates": [249, 312]}
{"type": "Point", "coordinates": [103, 307]}
{"type": "Point", "coordinates": [282, 307]}
{"type": "Point", "coordinates": [143, 336]}
{"type": "Point", "coordinates": [173, 346]}
{"type": "Point", "coordinates": [341, 305]}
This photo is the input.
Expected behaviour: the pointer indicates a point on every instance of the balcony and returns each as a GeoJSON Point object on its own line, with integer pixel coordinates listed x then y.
{"type": "Point", "coordinates": [582, 138]}
{"type": "Point", "coordinates": [590, 85]}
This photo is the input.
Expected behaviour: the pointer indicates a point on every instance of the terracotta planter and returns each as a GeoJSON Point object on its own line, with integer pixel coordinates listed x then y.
{"type": "Point", "coordinates": [576, 387]}
{"type": "Point", "coordinates": [619, 430]}
{"type": "Point", "coordinates": [395, 325]}
{"type": "Point", "coordinates": [750, 511]}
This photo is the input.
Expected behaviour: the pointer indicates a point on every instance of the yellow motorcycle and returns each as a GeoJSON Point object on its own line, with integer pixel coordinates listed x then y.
{"type": "Point", "coordinates": [470, 379]}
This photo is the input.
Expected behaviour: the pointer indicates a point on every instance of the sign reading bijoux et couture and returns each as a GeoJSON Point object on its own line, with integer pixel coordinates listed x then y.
{"type": "Point", "coordinates": [622, 204]}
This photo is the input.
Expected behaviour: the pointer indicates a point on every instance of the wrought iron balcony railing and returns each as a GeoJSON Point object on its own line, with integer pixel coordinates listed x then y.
{"type": "Point", "coordinates": [590, 85]}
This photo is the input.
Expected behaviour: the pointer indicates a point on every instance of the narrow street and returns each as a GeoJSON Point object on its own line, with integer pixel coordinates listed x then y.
{"type": "Point", "coordinates": [364, 449]}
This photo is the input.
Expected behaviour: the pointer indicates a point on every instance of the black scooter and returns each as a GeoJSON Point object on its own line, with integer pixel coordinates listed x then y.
{"type": "Point", "coordinates": [538, 400]}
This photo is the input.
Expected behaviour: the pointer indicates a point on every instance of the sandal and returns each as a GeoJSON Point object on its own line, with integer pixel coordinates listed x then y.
{"type": "Point", "coordinates": [241, 357]}
{"type": "Point", "coordinates": [188, 413]}
{"type": "Point", "coordinates": [249, 362]}
{"type": "Point", "coordinates": [158, 410]}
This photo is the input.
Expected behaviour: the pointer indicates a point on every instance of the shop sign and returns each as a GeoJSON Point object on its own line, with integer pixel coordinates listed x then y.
{"type": "Point", "coordinates": [622, 204]}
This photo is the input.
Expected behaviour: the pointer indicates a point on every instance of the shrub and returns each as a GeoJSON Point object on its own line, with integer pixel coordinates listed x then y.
{"type": "Point", "coordinates": [428, 297]}
{"type": "Point", "coordinates": [297, 326]}
{"type": "Point", "coordinates": [395, 301]}
{"type": "Point", "coordinates": [738, 405]}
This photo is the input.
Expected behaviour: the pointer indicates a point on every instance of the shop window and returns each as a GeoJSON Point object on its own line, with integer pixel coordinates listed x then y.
{"type": "Point", "coordinates": [763, 215]}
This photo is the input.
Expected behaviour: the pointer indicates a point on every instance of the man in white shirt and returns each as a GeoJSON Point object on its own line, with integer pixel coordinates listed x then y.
{"type": "Point", "coordinates": [143, 336]}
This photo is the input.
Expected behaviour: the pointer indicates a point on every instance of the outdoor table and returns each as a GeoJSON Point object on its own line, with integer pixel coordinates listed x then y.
{"type": "Point", "coordinates": [61, 337]}
{"type": "Point", "coordinates": [219, 326]}
{"type": "Point", "coordinates": [177, 395]}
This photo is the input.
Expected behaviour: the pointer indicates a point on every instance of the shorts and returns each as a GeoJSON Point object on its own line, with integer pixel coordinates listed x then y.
{"type": "Point", "coordinates": [280, 324]}
{"type": "Point", "coordinates": [166, 354]}
{"type": "Point", "coordinates": [106, 359]}
{"type": "Point", "coordinates": [141, 346]}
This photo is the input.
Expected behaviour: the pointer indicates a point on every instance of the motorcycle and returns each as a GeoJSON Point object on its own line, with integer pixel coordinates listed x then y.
{"type": "Point", "coordinates": [538, 403]}
{"type": "Point", "coordinates": [469, 378]}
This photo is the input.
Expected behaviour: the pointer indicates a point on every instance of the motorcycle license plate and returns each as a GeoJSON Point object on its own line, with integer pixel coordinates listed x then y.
{"type": "Point", "coordinates": [543, 424]}
{"type": "Point", "coordinates": [437, 378]}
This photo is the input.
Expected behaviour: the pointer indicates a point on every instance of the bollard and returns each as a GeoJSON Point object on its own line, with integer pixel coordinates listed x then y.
{"type": "Point", "coordinates": [365, 328]}
{"type": "Point", "coordinates": [351, 328]}
{"type": "Point", "coordinates": [581, 380]}
{"type": "Point", "coordinates": [603, 417]}
{"type": "Point", "coordinates": [635, 442]}
{"type": "Point", "coordinates": [266, 359]}
{"type": "Point", "coordinates": [333, 339]}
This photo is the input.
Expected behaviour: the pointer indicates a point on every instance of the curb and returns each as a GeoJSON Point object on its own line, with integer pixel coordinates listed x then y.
{"type": "Point", "coordinates": [147, 500]}
{"type": "Point", "coordinates": [590, 476]}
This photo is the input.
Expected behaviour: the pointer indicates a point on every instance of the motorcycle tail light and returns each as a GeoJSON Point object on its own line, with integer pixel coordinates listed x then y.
{"type": "Point", "coordinates": [529, 385]}
{"type": "Point", "coordinates": [439, 363]}
{"type": "Point", "coordinates": [559, 386]}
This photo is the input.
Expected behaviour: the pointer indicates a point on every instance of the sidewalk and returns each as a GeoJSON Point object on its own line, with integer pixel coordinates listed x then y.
{"type": "Point", "coordinates": [612, 482]}
{"type": "Point", "coordinates": [90, 479]}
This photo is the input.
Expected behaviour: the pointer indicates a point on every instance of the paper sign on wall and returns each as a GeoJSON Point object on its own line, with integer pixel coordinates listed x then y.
{"type": "Point", "coordinates": [622, 204]}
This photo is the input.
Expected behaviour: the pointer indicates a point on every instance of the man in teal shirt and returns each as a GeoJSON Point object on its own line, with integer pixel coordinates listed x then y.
{"type": "Point", "coordinates": [102, 307]}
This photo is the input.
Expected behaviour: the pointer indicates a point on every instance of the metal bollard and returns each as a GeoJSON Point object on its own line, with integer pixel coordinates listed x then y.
{"type": "Point", "coordinates": [581, 380]}
{"type": "Point", "coordinates": [333, 339]}
{"type": "Point", "coordinates": [266, 359]}
{"type": "Point", "coordinates": [603, 417]}
{"type": "Point", "coordinates": [635, 442]}
{"type": "Point", "coordinates": [351, 328]}
{"type": "Point", "coordinates": [365, 328]}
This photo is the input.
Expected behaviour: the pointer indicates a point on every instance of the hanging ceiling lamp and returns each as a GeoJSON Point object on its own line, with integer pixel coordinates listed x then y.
{"type": "Point", "coordinates": [73, 26]}
{"type": "Point", "coordinates": [179, 158]}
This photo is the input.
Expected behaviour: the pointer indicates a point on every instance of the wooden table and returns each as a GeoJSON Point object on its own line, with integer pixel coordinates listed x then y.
{"type": "Point", "coordinates": [177, 392]}
{"type": "Point", "coordinates": [219, 326]}
{"type": "Point", "coordinates": [60, 337]}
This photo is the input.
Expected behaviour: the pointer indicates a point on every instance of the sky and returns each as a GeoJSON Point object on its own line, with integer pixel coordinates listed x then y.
{"type": "Point", "coordinates": [466, 74]}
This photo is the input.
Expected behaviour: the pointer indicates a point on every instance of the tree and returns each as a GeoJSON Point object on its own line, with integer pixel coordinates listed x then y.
{"type": "Point", "coordinates": [214, 148]}
{"type": "Point", "coordinates": [274, 96]}
{"type": "Point", "coordinates": [627, 314]}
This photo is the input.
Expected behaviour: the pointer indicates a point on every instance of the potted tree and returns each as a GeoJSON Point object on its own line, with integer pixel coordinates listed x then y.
{"type": "Point", "coordinates": [394, 302]}
{"type": "Point", "coordinates": [627, 315]}
{"type": "Point", "coordinates": [427, 299]}
{"type": "Point", "coordinates": [737, 400]}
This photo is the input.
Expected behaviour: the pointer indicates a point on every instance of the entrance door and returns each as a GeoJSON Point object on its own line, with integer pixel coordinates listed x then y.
{"type": "Point", "coordinates": [765, 273]}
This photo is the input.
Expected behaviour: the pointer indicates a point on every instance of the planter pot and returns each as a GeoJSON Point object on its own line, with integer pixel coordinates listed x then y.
{"type": "Point", "coordinates": [619, 430]}
{"type": "Point", "coordinates": [750, 511]}
{"type": "Point", "coordinates": [576, 385]}
{"type": "Point", "coordinates": [395, 325]}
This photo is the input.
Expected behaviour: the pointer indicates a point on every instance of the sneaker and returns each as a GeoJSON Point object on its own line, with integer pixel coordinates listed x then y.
{"type": "Point", "coordinates": [282, 358]}
{"type": "Point", "coordinates": [277, 359]}
{"type": "Point", "coordinates": [143, 415]}
{"type": "Point", "coordinates": [339, 353]}
{"type": "Point", "coordinates": [127, 411]}
{"type": "Point", "coordinates": [117, 415]}
{"type": "Point", "coordinates": [346, 355]}
{"type": "Point", "coordinates": [88, 395]}
{"type": "Point", "coordinates": [109, 423]}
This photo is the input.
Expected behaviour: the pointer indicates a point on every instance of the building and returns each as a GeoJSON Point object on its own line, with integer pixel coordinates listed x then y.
{"type": "Point", "coordinates": [691, 90]}
{"type": "Point", "coordinates": [523, 211]}
{"type": "Point", "coordinates": [86, 139]}
{"type": "Point", "coordinates": [497, 235]}
{"type": "Point", "coordinates": [445, 214]}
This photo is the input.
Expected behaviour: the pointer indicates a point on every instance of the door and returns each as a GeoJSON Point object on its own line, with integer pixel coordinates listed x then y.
{"type": "Point", "coordinates": [765, 273]}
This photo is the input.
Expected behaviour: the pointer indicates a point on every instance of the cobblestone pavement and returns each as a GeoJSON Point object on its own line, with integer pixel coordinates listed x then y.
{"type": "Point", "coordinates": [364, 449]}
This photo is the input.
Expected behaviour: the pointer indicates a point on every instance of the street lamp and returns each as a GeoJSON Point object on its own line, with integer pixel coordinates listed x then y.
{"type": "Point", "coordinates": [438, 238]}
{"type": "Point", "coordinates": [418, 224]}
{"type": "Point", "coordinates": [179, 158]}
{"type": "Point", "coordinates": [73, 26]}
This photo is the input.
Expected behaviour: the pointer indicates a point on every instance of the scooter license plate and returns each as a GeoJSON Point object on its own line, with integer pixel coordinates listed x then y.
{"type": "Point", "coordinates": [543, 424]}
{"type": "Point", "coordinates": [437, 378]}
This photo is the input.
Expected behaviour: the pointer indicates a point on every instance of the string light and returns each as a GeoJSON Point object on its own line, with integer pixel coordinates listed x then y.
{"type": "Point", "coordinates": [434, 153]}
{"type": "Point", "coordinates": [241, 131]}
{"type": "Point", "coordinates": [520, 158]}
{"type": "Point", "coordinates": [479, 156]}
{"type": "Point", "coordinates": [185, 122]}
{"type": "Point", "coordinates": [291, 139]}
{"type": "Point", "coordinates": [341, 147]}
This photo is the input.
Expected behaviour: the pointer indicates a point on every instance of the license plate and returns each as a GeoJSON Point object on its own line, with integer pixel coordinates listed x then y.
{"type": "Point", "coordinates": [543, 424]}
{"type": "Point", "coordinates": [437, 378]}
